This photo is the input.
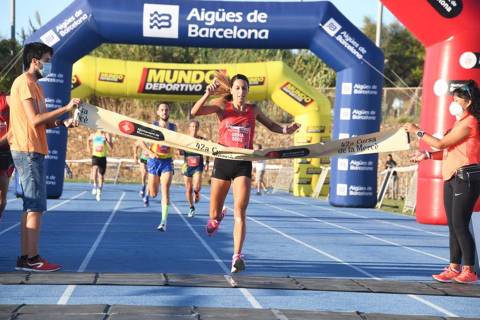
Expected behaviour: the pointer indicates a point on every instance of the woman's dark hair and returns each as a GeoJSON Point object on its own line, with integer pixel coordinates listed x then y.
{"type": "Point", "coordinates": [34, 50]}
{"type": "Point", "coordinates": [238, 76]}
{"type": "Point", "coordinates": [469, 91]}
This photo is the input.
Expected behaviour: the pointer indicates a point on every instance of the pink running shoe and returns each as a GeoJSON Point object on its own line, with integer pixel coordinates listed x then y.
{"type": "Point", "coordinates": [467, 276]}
{"type": "Point", "coordinates": [238, 264]}
{"type": "Point", "coordinates": [213, 224]}
{"type": "Point", "coordinates": [447, 275]}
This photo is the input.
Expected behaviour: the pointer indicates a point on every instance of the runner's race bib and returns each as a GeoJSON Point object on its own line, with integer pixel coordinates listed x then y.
{"type": "Point", "coordinates": [238, 136]}
{"type": "Point", "coordinates": [193, 161]}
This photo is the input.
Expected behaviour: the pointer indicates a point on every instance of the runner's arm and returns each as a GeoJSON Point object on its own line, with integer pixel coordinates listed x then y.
{"type": "Point", "coordinates": [275, 127]}
{"type": "Point", "coordinates": [200, 109]}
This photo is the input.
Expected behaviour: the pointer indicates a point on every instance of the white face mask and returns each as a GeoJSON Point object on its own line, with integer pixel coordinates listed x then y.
{"type": "Point", "coordinates": [46, 69]}
{"type": "Point", "coordinates": [455, 109]}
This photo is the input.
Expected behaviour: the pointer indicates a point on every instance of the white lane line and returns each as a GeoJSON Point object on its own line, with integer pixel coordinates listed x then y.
{"type": "Point", "coordinates": [49, 209]}
{"type": "Point", "coordinates": [328, 255]}
{"type": "Point", "coordinates": [357, 232]}
{"type": "Point", "coordinates": [419, 299]}
{"type": "Point", "coordinates": [369, 218]}
{"type": "Point", "coordinates": [250, 298]}
{"type": "Point", "coordinates": [69, 290]}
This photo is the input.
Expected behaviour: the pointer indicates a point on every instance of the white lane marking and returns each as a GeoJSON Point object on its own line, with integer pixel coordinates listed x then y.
{"type": "Point", "coordinates": [69, 290]}
{"type": "Point", "coordinates": [364, 217]}
{"type": "Point", "coordinates": [419, 299]}
{"type": "Point", "coordinates": [357, 232]}
{"type": "Point", "coordinates": [52, 208]}
{"type": "Point", "coordinates": [250, 298]}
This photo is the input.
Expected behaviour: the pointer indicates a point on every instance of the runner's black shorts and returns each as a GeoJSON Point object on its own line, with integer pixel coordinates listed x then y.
{"type": "Point", "coordinates": [101, 163]}
{"type": "Point", "coordinates": [230, 169]}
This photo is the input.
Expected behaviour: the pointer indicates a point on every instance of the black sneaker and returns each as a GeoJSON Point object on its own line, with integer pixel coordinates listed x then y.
{"type": "Point", "coordinates": [22, 263]}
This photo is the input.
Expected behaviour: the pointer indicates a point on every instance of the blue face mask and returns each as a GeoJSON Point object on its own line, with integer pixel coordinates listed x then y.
{"type": "Point", "coordinates": [46, 69]}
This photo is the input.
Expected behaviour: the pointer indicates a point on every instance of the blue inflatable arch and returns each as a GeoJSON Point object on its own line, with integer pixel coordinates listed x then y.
{"type": "Point", "coordinates": [318, 26]}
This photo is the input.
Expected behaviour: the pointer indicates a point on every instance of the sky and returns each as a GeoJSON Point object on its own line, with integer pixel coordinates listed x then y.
{"type": "Point", "coordinates": [354, 10]}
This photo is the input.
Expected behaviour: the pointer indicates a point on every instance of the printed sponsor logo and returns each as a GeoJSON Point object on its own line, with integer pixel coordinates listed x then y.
{"type": "Point", "coordinates": [365, 89]}
{"type": "Point", "coordinates": [345, 113]}
{"type": "Point", "coordinates": [316, 129]}
{"type": "Point", "coordinates": [343, 135]}
{"type": "Point", "coordinates": [126, 127]}
{"type": "Point", "coordinates": [360, 165]}
{"type": "Point", "coordinates": [447, 8]}
{"type": "Point", "coordinates": [138, 130]}
{"type": "Point", "coordinates": [332, 27]}
{"type": "Point", "coordinates": [50, 38]}
{"type": "Point", "coordinates": [284, 154]}
{"type": "Point", "coordinates": [304, 140]}
{"type": "Point", "coordinates": [111, 77]}
{"type": "Point", "coordinates": [256, 81]}
{"type": "Point", "coordinates": [71, 23]}
{"type": "Point", "coordinates": [362, 114]}
{"type": "Point", "coordinates": [342, 164]}
{"type": "Point", "coordinates": [75, 82]}
{"type": "Point", "coordinates": [314, 170]}
{"type": "Point", "coordinates": [202, 24]}
{"type": "Point", "coordinates": [296, 94]}
{"type": "Point", "coordinates": [360, 190]}
{"type": "Point", "coordinates": [304, 181]}
{"type": "Point", "coordinates": [454, 84]}
{"type": "Point", "coordinates": [324, 160]}
{"type": "Point", "coordinates": [470, 60]}
{"type": "Point", "coordinates": [175, 81]}
{"type": "Point", "coordinates": [342, 189]}
{"type": "Point", "coordinates": [160, 20]}
{"type": "Point", "coordinates": [347, 88]}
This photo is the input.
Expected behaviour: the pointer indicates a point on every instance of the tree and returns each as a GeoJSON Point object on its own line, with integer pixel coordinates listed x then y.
{"type": "Point", "coordinates": [404, 55]}
{"type": "Point", "coordinates": [10, 63]}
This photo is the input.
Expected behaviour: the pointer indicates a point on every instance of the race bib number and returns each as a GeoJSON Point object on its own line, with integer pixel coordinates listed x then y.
{"type": "Point", "coordinates": [193, 161]}
{"type": "Point", "coordinates": [239, 136]}
{"type": "Point", "coordinates": [99, 148]}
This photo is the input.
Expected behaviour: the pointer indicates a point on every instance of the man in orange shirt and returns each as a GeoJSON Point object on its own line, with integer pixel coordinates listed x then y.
{"type": "Point", "coordinates": [27, 137]}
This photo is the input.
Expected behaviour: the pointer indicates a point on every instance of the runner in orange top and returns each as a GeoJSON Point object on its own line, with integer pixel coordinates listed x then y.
{"type": "Point", "coordinates": [237, 128]}
{"type": "Point", "coordinates": [458, 148]}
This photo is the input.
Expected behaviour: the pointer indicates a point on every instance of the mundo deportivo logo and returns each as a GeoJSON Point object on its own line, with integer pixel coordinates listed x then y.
{"type": "Point", "coordinates": [160, 20]}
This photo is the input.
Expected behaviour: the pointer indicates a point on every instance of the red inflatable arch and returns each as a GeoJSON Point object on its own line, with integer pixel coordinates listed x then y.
{"type": "Point", "coordinates": [450, 32]}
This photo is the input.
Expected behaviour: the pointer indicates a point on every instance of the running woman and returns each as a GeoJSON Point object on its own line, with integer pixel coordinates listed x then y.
{"type": "Point", "coordinates": [160, 165]}
{"type": "Point", "coordinates": [192, 170]}
{"type": "Point", "coordinates": [100, 142]}
{"type": "Point", "coordinates": [142, 161]}
{"type": "Point", "coordinates": [236, 129]}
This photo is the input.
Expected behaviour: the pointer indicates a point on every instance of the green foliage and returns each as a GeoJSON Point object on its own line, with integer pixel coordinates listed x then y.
{"type": "Point", "coordinates": [404, 55]}
{"type": "Point", "coordinates": [9, 51]}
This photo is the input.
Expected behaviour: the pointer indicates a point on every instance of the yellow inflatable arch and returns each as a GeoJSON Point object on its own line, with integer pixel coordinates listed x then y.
{"type": "Point", "coordinates": [187, 82]}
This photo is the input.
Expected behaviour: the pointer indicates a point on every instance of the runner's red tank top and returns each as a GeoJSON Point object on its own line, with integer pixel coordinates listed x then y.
{"type": "Point", "coordinates": [4, 118]}
{"type": "Point", "coordinates": [237, 128]}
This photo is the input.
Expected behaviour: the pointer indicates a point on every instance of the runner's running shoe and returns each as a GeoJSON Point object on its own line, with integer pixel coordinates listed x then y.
{"type": "Point", "coordinates": [191, 213]}
{"type": "Point", "coordinates": [447, 275]}
{"type": "Point", "coordinates": [21, 263]}
{"type": "Point", "coordinates": [213, 224]}
{"type": "Point", "coordinates": [162, 227]}
{"type": "Point", "coordinates": [146, 201]}
{"type": "Point", "coordinates": [99, 195]}
{"type": "Point", "coordinates": [467, 276]}
{"type": "Point", "coordinates": [238, 264]}
{"type": "Point", "coordinates": [94, 191]}
{"type": "Point", "coordinates": [38, 264]}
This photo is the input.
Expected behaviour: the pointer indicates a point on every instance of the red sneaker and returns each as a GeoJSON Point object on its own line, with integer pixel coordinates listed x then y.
{"type": "Point", "coordinates": [38, 264]}
{"type": "Point", "coordinates": [447, 275]}
{"type": "Point", "coordinates": [467, 276]}
{"type": "Point", "coordinates": [213, 224]}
